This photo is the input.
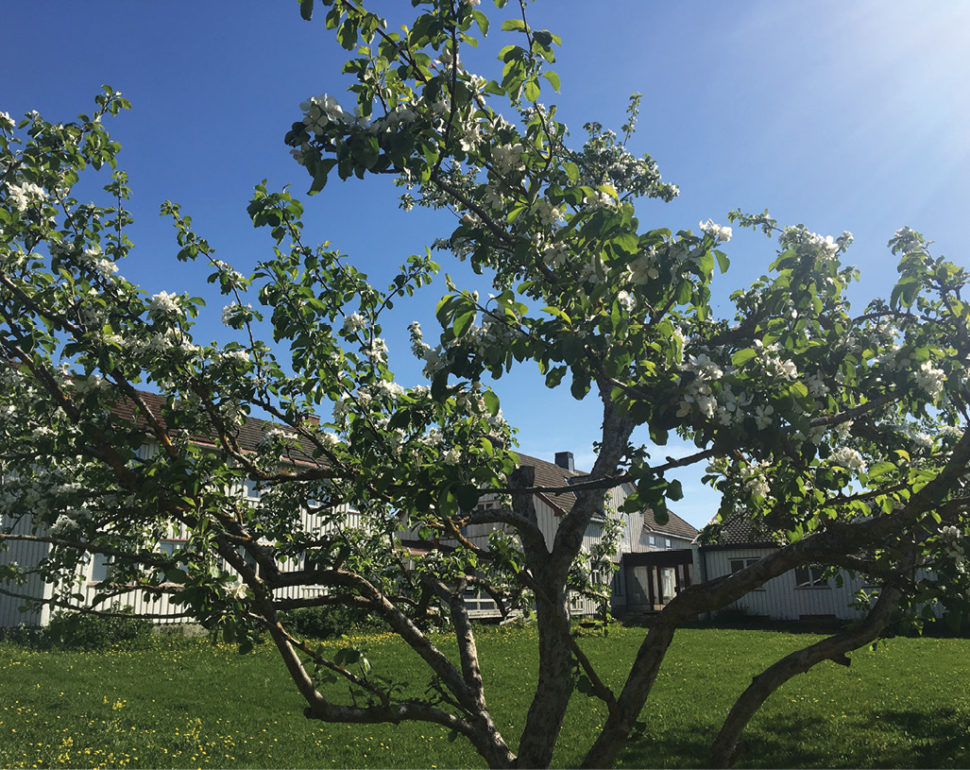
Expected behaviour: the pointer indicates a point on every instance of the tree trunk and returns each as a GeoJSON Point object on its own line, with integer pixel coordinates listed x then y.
{"type": "Point", "coordinates": [555, 685]}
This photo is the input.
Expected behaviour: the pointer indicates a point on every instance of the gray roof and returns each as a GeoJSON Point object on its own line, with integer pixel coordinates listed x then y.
{"type": "Point", "coordinates": [675, 525]}
{"type": "Point", "coordinates": [551, 475]}
{"type": "Point", "coordinates": [736, 531]}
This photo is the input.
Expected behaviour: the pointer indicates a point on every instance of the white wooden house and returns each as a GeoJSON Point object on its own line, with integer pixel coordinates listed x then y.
{"type": "Point", "coordinates": [803, 594]}
{"type": "Point", "coordinates": [653, 560]}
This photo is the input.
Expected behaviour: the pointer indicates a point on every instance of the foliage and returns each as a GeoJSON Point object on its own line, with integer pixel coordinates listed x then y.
{"type": "Point", "coordinates": [842, 436]}
{"type": "Point", "coordinates": [329, 622]}
{"type": "Point", "coordinates": [81, 631]}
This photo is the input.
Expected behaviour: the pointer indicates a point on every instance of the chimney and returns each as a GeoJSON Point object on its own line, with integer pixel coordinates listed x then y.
{"type": "Point", "coordinates": [311, 419]}
{"type": "Point", "coordinates": [565, 460]}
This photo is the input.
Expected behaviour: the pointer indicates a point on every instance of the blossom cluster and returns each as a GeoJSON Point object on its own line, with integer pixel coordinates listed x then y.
{"type": "Point", "coordinates": [954, 546]}
{"type": "Point", "coordinates": [849, 459]}
{"type": "Point", "coordinates": [720, 232]}
{"type": "Point", "coordinates": [164, 306]}
{"type": "Point", "coordinates": [930, 379]}
{"type": "Point", "coordinates": [698, 396]}
{"type": "Point", "coordinates": [24, 195]}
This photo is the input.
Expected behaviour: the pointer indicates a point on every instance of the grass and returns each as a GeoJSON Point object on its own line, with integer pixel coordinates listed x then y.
{"type": "Point", "coordinates": [191, 704]}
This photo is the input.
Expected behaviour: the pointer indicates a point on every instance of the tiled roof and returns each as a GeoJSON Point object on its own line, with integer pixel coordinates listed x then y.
{"type": "Point", "coordinates": [551, 475]}
{"type": "Point", "coordinates": [737, 530]}
{"type": "Point", "coordinates": [675, 525]}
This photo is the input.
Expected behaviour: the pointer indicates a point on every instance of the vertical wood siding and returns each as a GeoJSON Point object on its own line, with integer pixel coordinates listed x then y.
{"type": "Point", "coordinates": [780, 598]}
{"type": "Point", "coordinates": [26, 555]}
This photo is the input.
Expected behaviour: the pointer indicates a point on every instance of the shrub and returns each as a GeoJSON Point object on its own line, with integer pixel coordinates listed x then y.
{"type": "Point", "coordinates": [326, 622]}
{"type": "Point", "coordinates": [84, 631]}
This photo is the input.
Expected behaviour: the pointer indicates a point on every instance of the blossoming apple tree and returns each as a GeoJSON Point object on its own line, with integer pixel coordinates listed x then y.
{"type": "Point", "coordinates": [841, 435]}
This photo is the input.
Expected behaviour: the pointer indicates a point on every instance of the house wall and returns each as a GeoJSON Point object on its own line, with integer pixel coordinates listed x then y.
{"type": "Point", "coordinates": [780, 598]}
{"type": "Point", "coordinates": [25, 554]}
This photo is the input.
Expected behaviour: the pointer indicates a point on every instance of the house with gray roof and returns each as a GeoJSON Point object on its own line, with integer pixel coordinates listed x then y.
{"type": "Point", "coordinates": [808, 593]}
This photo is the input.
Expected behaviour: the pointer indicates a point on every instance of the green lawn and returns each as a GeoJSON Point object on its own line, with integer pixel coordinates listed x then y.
{"type": "Point", "coordinates": [195, 705]}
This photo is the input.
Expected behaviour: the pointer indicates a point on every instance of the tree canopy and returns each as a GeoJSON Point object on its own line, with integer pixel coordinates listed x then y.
{"type": "Point", "coordinates": [842, 435]}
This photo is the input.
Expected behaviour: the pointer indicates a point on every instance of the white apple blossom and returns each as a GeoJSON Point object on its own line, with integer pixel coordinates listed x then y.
{"type": "Point", "coordinates": [237, 355]}
{"type": "Point", "coordinates": [105, 267]}
{"type": "Point", "coordinates": [508, 158]}
{"type": "Point", "coordinates": [353, 323]}
{"type": "Point", "coordinates": [548, 215]}
{"type": "Point", "coordinates": [849, 459]}
{"type": "Point", "coordinates": [320, 111]}
{"type": "Point", "coordinates": [644, 268]}
{"type": "Point", "coordinates": [65, 525]}
{"type": "Point", "coordinates": [234, 312]}
{"type": "Point", "coordinates": [555, 255]}
{"type": "Point", "coordinates": [720, 232]}
{"type": "Point", "coordinates": [627, 302]}
{"type": "Point", "coordinates": [23, 195]}
{"type": "Point", "coordinates": [328, 439]}
{"type": "Point", "coordinates": [163, 305]}
{"type": "Point", "coordinates": [376, 350]}
{"type": "Point", "coordinates": [763, 416]}
{"type": "Point", "coordinates": [930, 379]}
{"type": "Point", "coordinates": [387, 389]}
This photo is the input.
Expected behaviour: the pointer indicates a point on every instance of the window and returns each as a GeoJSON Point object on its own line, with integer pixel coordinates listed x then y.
{"type": "Point", "coordinates": [173, 548]}
{"type": "Point", "coordinates": [251, 489]}
{"type": "Point", "coordinates": [101, 568]}
{"type": "Point", "coordinates": [668, 584]}
{"type": "Point", "coordinates": [739, 564]}
{"type": "Point", "coordinates": [810, 576]}
{"type": "Point", "coordinates": [619, 584]}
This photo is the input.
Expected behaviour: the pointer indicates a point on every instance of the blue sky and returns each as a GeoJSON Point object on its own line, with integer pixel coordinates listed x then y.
{"type": "Point", "coordinates": [841, 116]}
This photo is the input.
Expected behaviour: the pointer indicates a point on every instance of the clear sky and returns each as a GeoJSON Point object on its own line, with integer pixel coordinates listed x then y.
{"type": "Point", "coordinates": [842, 116]}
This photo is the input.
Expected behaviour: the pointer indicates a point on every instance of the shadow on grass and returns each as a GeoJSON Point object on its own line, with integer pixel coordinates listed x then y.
{"type": "Point", "coordinates": [900, 738]}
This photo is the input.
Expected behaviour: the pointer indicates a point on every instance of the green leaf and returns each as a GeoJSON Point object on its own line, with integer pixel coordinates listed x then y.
{"type": "Point", "coordinates": [580, 386]}
{"type": "Point", "coordinates": [553, 79]}
{"type": "Point", "coordinates": [675, 491]}
{"type": "Point", "coordinates": [627, 242]}
{"type": "Point", "coordinates": [463, 322]}
{"type": "Point", "coordinates": [491, 401]}
{"type": "Point", "coordinates": [554, 376]}
{"type": "Point", "coordinates": [306, 9]}
{"type": "Point", "coordinates": [467, 497]}
{"type": "Point", "coordinates": [743, 356]}
{"type": "Point", "coordinates": [880, 469]}
{"type": "Point", "coordinates": [513, 25]}
{"type": "Point", "coordinates": [531, 89]}
{"type": "Point", "coordinates": [482, 20]}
